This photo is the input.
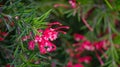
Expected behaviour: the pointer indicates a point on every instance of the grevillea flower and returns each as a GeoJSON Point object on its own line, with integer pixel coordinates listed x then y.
{"type": "Point", "coordinates": [78, 37]}
{"type": "Point", "coordinates": [100, 45]}
{"type": "Point", "coordinates": [69, 64]}
{"type": "Point", "coordinates": [44, 37]}
{"type": "Point", "coordinates": [85, 59]}
{"type": "Point", "coordinates": [87, 45]}
{"type": "Point", "coordinates": [1, 39]}
{"type": "Point", "coordinates": [50, 34]}
{"type": "Point", "coordinates": [38, 38]}
{"type": "Point", "coordinates": [78, 65]}
{"type": "Point", "coordinates": [31, 44]}
{"type": "Point", "coordinates": [72, 3]}
{"type": "Point", "coordinates": [46, 46]}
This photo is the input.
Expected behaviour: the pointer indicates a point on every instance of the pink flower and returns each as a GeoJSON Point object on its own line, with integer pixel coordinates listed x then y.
{"type": "Point", "coordinates": [44, 38]}
{"type": "Point", "coordinates": [46, 46]}
{"type": "Point", "coordinates": [78, 37]}
{"type": "Point", "coordinates": [38, 38]}
{"type": "Point", "coordinates": [85, 59]}
{"type": "Point", "coordinates": [87, 45]}
{"type": "Point", "coordinates": [50, 33]}
{"type": "Point", "coordinates": [31, 45]}
{"type": "Point", "coordinates": [100, 45]}
{"type": "Point", "coordinates": [72, 3]}
{"type": "Point", "coordinates": [69, 64]}
{"type": "Point", "coordinates": [78, 65]}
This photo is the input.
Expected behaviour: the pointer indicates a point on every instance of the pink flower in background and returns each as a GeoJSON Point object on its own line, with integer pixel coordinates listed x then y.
{"type": "Point", "coordinates": [78, 37]}
{"type": "Point", "coordinates": [85, 59]}
{"type": "Point", "coordinates": [100, 45]}
{"type": "Point", "coordinates": [1, 39]}
{"type": "Point", "coordinates": [77, 53]}
{"type": "Point", "coordinates": [31, 45]}
{"type": "Point", "coordinates": [78, 65]}
{"type": "Point", "coordinates": [72, 3]}
{"type": "Point", "coordinates": [87, 45]}
{"type": "Point", "coordinates": [69, 64]}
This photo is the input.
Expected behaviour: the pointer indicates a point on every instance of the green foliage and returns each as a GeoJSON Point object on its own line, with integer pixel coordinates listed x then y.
{"type": "Point", "coordinates": [21, 17]}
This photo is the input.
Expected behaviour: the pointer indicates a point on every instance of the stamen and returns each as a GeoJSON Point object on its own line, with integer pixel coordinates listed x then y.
{"type": "Point", "coordinates": [65, 27]}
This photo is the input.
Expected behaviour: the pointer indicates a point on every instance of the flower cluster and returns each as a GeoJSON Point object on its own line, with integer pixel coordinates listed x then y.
{"type": "Point", "coordinates": [44, 37]}
{"type": "Point", "coordinates": [83, 45]}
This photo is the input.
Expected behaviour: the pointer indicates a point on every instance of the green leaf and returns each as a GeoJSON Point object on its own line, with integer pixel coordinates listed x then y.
{"type": "Point", "coordinates": [116, 40]}
{"type": "Point", "coordinates": [40, 20]}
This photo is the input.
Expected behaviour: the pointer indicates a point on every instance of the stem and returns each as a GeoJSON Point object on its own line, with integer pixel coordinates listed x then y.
{"type": "Point", "coordinates": [100, 60]}
{"type": "Point", "coordinates": [112, 48]}
{"type": "Point", "coordinates": [86, 24]}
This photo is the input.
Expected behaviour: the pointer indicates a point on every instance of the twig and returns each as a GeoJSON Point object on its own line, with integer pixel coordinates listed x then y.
{"type": "Point", "coordinates": [86, 24]}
